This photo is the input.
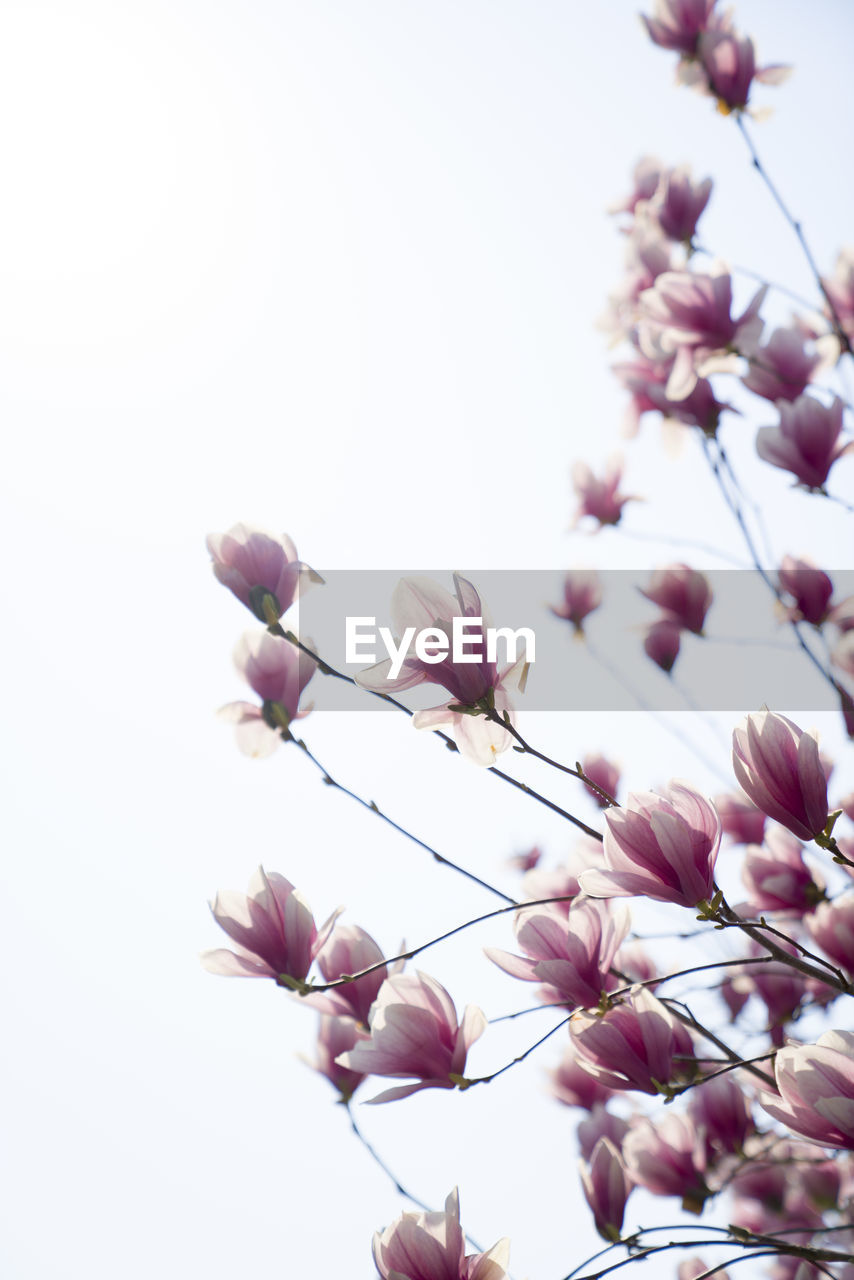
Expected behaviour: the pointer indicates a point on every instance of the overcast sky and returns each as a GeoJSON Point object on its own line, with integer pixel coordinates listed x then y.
{"type": "Point", "coordinates": [332, 268]}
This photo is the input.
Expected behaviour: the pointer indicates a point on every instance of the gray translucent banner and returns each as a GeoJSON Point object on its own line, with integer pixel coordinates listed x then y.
{"type": "Point", "coordinates": [749, 655]}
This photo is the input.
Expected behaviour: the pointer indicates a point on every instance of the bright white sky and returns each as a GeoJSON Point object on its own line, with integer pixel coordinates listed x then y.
{"type": "Point", "coordinates": [332, 268]}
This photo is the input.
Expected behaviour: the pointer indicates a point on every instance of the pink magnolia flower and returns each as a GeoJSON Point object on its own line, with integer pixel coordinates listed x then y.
{"type": "Point", "coordinates": [552, 882]}
{"type": "Point", "coordinates": [646, 379]}
{"type": "Point", "coordinates": [648, 254]}
{"type": "Point", "coordinates": [254, 565]}
{"type": "Point", "coordinates": [278, 672]}
{"type": "Point", "coordinates": [606, 1185]}
{"type": "Point", "coordinates": [571, 955]}
{"type": "Point", "coordinates": [689, 315]}
{"type": "Point", "coordinates": [806, 441]}
{"type": "Point", "coordinates": [760, 1181]}
{"type": "Point", "coordinates": [734, 990]}
{"type": "Point", "coordinates": [740, 818]}
{"type": "Point", "coordinates": [527, 861]}
{"type": "Point", "coordinates": [832, 927]}
{"type": "Point", "coordinates": [776, 876]}
{"type": "Point", "coordinates": [348, 950]}
{"type": "Point", "coordinates": [840, 287]}
{"type": "Point", "coordinates": [637, 1044]}
{"type": "Point", "coordinates": [781, 989]}
{"type": "Point", "coordinates": [575, 1087]}
{"type": "Point", "coordinates": [683, 594]}
{"type": "Point", "coordinates": [414, 1032]}
{"type": "Point", "coordinates": [604, 773]}
{"type": "Point", "coordinates": [634, 961]}
{"type": "Point", "coordinates": [272, 926]}
{"type": "Point", "coordinates": [815, 1083]}
{"type": "Point", "coordinates": [420, 605]}
{"type": "Point", "coordinates": [662, 643]}
{"type": "Point", "coordinates": [678, 203]}
{"type": "Point", "coordinates": [334, 1037]}
{"type": "Point", "coordinates": [779, 767]}
{"type": "Point", "coordinates": [600, 499]}
{"type": "Point", "coordinates": [431, 1246]}
{"type": "Point", "coordinates": [809, 587]}
{"type": "Point", "coordinates": [721, 1117]}
{"type": "Point", "coordinates": [729, 67]}
{"type": "Point", "coordinates": [668, 1159]}
{"type": "Point", "coordinates": [600, 1123]}
{"type": "Point", "coordinates": [662, 847]}
{"type": "Point", "coordinates": [791, 1214]}
{"type": "Point", "coordinates": [782, 368]}
{"type": "Point", "coordinates": [645, 176]}
{"type": "Point", "coordinates": [678, 24]}
{"type": "Point", "coordinates": [582, 593]}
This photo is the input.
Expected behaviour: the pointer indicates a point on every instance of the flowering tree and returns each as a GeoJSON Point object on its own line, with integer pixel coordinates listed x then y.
{"type": "Point", "coordinates": [737, 1093]}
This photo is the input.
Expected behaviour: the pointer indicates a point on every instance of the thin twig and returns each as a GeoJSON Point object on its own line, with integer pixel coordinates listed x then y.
{"type": "Point", "coordinates": [836, 322]}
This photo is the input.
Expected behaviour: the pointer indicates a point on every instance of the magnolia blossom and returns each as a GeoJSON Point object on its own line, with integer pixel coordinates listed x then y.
{"type": "Point", "coordinates": [571, 955]}
{"type": "Point", "coordinates": [603, 773]}
{"type": "Point", "coordinates": [688, 315]}
{"type": "Point", "coordinates": [334, 1037]}
{"type": "Point", "coordinates": [683, 594]}
{"type": "Point", "coordinates": [678, 203]}
{"type": "Point", "coordinates": [431, 1246]}
{"type": "Point", "coordinates": [257, 566]}
{"type": "Point", "coordinates": [668, 1159]}
{"type": "Point", "coordinates": [721, 1116]}
{"type": "Point", "coordinates": [600, 499]}
{"type": "Point", "coordinates": [562, 882]}
{"type": "Point", "coordinates": [647, 254]}
{"type": "Point", "coordinates": [272, 926]}
{"type": "Point", "coordinates": [755, 1179]}
{"type": "Point", "coordinates": [606, 1185]}
{"type": "Point", "coordinates": [779, 767]}
{"type": "Point", "coordinates": [278, 672]}
{"type": "Point", "coordinates": [740, 818]}
{"type": "Point", "coordinates": [781, 369]}
{"type": "Point", "coordinates": [776, 876]}
{"type": "Point", "coordinates": [349, 950]}
{"type": "Point", "coordinates": [645, 176]}
{"type": "Point", "coordinates": [780, 988]}
{"type": "Point", "coordinates": [582, 593]}
{"type": "Point", "coordinates": [809, 586]}
{"type": "Point", "coordinates": [575, 1087]}
{"type": "Point", "coordinates": [638, 1044]}
{"type": "Point", "coordinates": [600, 1123]}
{"type": "Point", "coordinates": [815, 1083]}
{"type": "Point", "coordinates": [832, 927]}
{"type": "Point", "coordinates": [806, 441]}
{"type": "Point", "coordinates": [727, 69]}
{"type": "Point", "coordinates": [678, 24]}
{"type": "Point", "coordinates": [659, 846]}
{"type": "Point", "coordinates": [419, 605]}
{"type": "Point", "coordinates": [646, 379]}
{"type": "Point", "coordinates": [527, 860]}
{"type": "Point", "coordinates": [662, 643]}
{"type": "Point", "coordinates": [634, 961]}
{"type": "Point", "coordinates": [414, 1032]}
